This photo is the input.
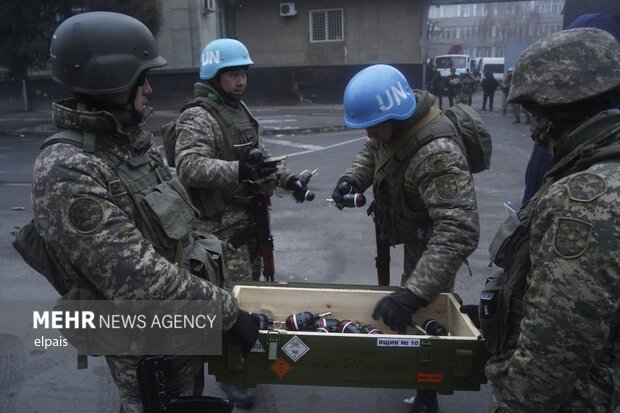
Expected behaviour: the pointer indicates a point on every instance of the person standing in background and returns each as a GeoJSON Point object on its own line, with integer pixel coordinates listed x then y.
{"type": "Point", "coordinates": [489, 85]}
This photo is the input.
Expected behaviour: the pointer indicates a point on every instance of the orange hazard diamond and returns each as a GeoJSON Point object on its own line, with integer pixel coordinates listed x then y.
{"type": "Point", "coordinates": [280, 367]}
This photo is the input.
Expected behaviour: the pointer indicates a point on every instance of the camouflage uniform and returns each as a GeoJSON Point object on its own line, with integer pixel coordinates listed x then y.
{"type": "Point", "coordinates": [203, 168]}
{"type": "Point", "coordinates": [439, 187]}
{"type": "Point", "coordinates": [95, 231]}
{"type": "Point", "coordinates": [469, 84]}
{"type": "Point", "coordinates": [563, 355]}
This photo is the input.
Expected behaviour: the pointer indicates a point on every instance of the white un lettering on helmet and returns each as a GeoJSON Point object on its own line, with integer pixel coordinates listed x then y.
{"type": "Point", "coordinates": [395, 94]}
{"type": "Point", "coordinates": [209, 57]}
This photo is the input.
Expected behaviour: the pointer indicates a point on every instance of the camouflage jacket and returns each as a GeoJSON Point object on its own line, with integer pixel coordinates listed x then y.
{"type": "Point", "coordinates": [437, 183]}
{"type": "Point", "coordinates": [201, 163]}
{"type": "Point", "coordinates": [566, 356]}
{"type": "Point", "coordinates": [94, 230]}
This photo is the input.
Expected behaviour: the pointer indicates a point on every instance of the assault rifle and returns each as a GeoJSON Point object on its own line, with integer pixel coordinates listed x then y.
{"type": "Point", "coordinates": [258, 202]}
{"type": "Point", "coordinates": [382, 260]}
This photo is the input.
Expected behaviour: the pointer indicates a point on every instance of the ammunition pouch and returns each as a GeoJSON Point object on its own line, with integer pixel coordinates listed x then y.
{"type": "Point", "coordinates": [155, 375]}
{"type": "Point", "coordinates": [501, 308]}
{"type": "Point", "coordinates": [207, 258]}
{"type": "Point", "coordinates": [163, 213]}
{"type": "Point", "coordinates": [209, 202]}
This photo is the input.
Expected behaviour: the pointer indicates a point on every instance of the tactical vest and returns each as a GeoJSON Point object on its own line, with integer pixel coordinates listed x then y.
{"type": "Point", "coordinates": [501, 301]}
{"type": "Point", "coordinates": [398, 221]}
{"type": "Point", "coordinates": [162, 213]}
{"type": "Point", "coordinates": [238, 127]}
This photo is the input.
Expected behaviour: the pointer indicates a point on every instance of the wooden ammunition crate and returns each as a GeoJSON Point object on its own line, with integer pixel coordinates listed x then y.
{"type": "Point", "coordinates": [414, 360]}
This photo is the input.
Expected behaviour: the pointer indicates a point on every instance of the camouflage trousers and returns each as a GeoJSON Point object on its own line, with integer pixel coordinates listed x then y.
{"type": "Point", "coordinates": [517, 110]}
{"type": "Point", "coordinates": [594, 392]}
{"type": "Point", "coordinates": [189, 378]}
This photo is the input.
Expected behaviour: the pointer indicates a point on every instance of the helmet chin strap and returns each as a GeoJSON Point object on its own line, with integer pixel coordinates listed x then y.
{"type": "Point", "coordinates": [229, 97]}
{"type": "Point", "coordinates": [128, 107]}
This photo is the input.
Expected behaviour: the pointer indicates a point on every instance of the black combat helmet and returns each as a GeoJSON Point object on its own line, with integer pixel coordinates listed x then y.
{"type": "Point", "coordinates": [101, 53]}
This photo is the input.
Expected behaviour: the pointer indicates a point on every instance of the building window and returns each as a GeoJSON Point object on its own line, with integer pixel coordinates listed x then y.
{"type": "Point", "coordinates": [326, 25]}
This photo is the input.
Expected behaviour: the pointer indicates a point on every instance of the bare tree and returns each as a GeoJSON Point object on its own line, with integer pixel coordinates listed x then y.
{"type": "Point", "coordinates": [26, 28]}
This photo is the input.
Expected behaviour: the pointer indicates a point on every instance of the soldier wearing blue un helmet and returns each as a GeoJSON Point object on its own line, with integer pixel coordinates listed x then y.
{"type": "Point", "coordinates": [215, 135]}
{"type": "Point", "coordinates": [364, 108]}
{"type": "Point", "coordinates": [424, 194]}
{"type": "Point", "coordinates": [221, 54]}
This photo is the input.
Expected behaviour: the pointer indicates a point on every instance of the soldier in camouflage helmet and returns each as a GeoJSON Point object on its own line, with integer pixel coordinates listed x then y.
{"type": "Point", "coordinates": [424, 194]}
{"type": "Point", "coordinates": [107, 243]}
{"type": "Point", "coordinates": [554, 336]}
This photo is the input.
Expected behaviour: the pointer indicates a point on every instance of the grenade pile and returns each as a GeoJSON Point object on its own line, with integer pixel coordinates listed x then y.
{"type": "Point", "coordinates": [307, 321]}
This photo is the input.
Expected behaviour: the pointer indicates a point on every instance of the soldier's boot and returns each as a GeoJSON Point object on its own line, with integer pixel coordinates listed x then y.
{"type": "Point", "coordinates": [425, 402]}
{"type": "Point", "coordinates": [243, 397]}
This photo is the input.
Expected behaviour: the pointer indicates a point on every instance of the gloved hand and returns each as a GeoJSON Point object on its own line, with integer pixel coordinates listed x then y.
{"type": "Point", "coordinates": [254, 170]}
{"type": "Point", "coordinates": [396, 309]}
{"type": "Point", "coordinates": [245, 330]}
{"type": "Point", "coordinates": [345, 185]}
{"type": "Point", "coordinates": [472, 312]}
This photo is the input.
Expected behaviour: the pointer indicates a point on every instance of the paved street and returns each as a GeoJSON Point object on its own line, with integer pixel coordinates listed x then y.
{"type": "Point", "coordinates": [313, 243]}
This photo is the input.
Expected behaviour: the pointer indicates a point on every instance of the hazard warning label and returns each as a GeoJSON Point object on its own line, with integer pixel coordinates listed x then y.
{"type": "Point", "coordinates": [280, 367]}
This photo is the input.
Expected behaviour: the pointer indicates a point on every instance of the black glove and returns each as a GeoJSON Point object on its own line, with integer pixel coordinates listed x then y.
{"type": "Point", "coordinates": [345, 185]}
{"type": "Point", "coordinates": [252, 172]}
{"type": "Point", "coordinates": [245, 330]}
{"type": "Point", "coordinates": [396, 309]}
{"type": "Point", "coordinates": [472, 312]}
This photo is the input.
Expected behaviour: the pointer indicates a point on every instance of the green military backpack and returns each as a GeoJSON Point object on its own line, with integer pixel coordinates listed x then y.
{"type": "Point", "coordinates": [475, 135]}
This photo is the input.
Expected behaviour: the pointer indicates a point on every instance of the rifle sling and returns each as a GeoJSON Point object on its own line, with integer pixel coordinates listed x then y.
{"type": "Point", "coordinates": [403, 139]}
{"type": "Point", "coordinates": [243, 235]}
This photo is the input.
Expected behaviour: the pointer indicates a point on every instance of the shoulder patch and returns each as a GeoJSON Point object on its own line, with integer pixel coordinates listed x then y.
{"type": "Point", "coordinates": [572, 237]}
{"type": "Point", "coordinates": [586, 187]}
{"type": "Point", "coordinates": [446, 187]}
{"type": "Point", "coordinates": [85, 215]}
{"type": "Point", "coordinates": [186, 138]}
{"type": "Point", "coordinates": [437, 162]}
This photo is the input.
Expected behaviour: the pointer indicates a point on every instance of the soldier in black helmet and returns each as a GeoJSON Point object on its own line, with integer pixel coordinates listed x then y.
{"type": "Point", "coordinates": [88, 180]}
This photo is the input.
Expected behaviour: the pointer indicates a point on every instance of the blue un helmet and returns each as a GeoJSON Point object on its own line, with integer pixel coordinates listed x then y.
{"type": "Point", "coordinates": [377, 94]}
{"type": "Point", "coordinates": [222, 53]}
